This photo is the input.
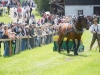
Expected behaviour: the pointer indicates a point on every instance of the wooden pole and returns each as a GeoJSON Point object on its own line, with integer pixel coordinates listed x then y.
{"type": "Point", "coordinates": [10, 50]}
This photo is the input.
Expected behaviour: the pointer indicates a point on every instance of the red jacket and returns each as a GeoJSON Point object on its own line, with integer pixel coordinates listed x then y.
{"type": "Point", "coordinates": [19, 10]}
{"type": "Point", "coordinates": [3, 2]}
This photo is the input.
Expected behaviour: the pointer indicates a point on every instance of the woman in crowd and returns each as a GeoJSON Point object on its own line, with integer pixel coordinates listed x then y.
{"type": "Point", "coordinates": [6, 43]}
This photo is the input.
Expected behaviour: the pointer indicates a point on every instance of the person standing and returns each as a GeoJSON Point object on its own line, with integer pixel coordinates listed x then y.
{"type": "Point", "coordinates": [3, 3]}
{"type": "Point", "coordinates": [19, 10]}
{"type": "Point", "coordinates": [6, 43]}
{"type": "Point", "coordinates": [8, 7]}
{"type": "Point", "coordinates": [24, 13]}
{"type": "Point", "coordinates": [39, 22]}
{"type": "Point", "coordinates": [95, 30]}
{"type": "Point", "coordinates": [31, 40]}
{"type": "Point", "coordinates": [15, 12]}
{"type": "Point", "coordinates": [30, 11]}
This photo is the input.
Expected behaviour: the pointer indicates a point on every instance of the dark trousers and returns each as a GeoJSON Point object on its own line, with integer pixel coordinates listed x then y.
{"type": "Point", "coordinates": [30, 13]}
{"type": "Point", "coordinates": [31, 40]}
{"type": "Point", "coordinates": [6, 48]}
{"type": "Point", "coordinates": [0, 47]}
{"type": "Point", "coordinates": [23, 44]}
{"type": "Point", "coordinates": [8, 11]}
{"type": "Point", "coordinates": [94, 38]}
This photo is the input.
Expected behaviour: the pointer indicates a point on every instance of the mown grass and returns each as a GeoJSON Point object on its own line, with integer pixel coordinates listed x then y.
{"type": "Point", "coordinates": [6, 19]}
{"type": "Point", "coordinates": [43, 61]}
{"type": "Point", "coordinates": [36, 13]}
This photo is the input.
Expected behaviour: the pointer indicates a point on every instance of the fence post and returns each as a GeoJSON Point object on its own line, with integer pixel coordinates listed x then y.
{"type": "Point", "coordinates": [28, 42]}
{"type": "Point", "coordinates": [20, 44]}
{"type": "Point", "coordinates": [10, 50]}
{"type": "Point", "coordinates": [40, 40]}
{"type": "Point", "coordinates": [49, 38]}
{"type": "Point", "coordinates": [17, 46]}
{"type": "Point", "coordinates": [52, 37]}
{"type": "Point", "coordinates": [33, 41]}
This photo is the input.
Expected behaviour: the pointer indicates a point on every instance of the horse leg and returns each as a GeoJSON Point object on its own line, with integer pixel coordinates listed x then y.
{"type": "Point", "coordinates": [67, 45]}
{"type": "Point", "coordinates": [75, 48]}
{"type": "Point", "coordinates": [78, 45]}
{"type": "Point", "coordinates": [60, 40]}
{"type": "Point", "coordinates": [59, 46]}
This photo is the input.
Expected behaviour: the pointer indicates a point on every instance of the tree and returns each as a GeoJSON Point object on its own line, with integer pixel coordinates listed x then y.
{"type": "Point", "coordinates": [42, 5]}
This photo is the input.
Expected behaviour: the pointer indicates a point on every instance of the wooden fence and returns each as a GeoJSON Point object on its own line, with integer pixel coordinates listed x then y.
{"type": "Point", "coordinates": [50, 36]}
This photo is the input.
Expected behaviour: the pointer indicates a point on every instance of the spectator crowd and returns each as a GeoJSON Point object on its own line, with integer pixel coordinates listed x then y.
{"type": "Point", "coordinates": [27, 32]}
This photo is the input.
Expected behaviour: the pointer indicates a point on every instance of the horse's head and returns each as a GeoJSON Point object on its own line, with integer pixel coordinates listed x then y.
{"type": "Point", "coordinates": [83, 21]}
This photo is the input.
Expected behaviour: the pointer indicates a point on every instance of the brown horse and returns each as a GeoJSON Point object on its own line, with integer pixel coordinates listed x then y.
{"type": "Point", "coordinates": [72, 31]}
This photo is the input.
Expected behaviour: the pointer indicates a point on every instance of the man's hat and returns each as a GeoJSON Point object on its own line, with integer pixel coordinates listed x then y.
{"type": "Point", "coordinates": [95, 20]}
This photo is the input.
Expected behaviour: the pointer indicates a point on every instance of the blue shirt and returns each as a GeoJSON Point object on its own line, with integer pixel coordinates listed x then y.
{"type": "Point", "coordinates": [1, 34]}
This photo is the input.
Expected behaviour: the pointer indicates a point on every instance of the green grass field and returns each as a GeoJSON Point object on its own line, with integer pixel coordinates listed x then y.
{"type": "Point", "coordinates": [6, 19]}
{"type": "Point", "coordinates": [43, 61]}
{"type": "Point", "coordinates": [37, 15]}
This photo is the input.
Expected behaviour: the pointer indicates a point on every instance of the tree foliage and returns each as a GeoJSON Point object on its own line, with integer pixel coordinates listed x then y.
{"type": "Point", "coordinates": [43, 5]}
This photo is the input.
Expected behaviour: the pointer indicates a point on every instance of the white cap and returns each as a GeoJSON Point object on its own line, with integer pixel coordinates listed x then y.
{"type": "Point", "coordinates": [19, 22]}
{"type": "Point", "coordinates": [14, 22]}
{"type": "Point", "coordinates": [24, 23]}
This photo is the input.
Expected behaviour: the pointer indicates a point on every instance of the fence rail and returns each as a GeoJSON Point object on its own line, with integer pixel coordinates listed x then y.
{"type": "Point", "coordinates": [14, 46]}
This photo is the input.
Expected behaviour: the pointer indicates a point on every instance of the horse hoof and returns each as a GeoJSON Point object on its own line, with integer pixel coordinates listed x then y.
{"type": "Point", "coordinates": [59, 51]}
{"type": "Point", "coordinates": [75, 53]}
{"type": "Point", "coordinates": [68, 52]}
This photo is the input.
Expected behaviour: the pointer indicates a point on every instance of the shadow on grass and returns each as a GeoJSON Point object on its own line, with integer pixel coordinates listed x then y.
{"type": "Point", "coordinates": [9, 56]}
{"type": "Point", "coordinates": [72, 55]}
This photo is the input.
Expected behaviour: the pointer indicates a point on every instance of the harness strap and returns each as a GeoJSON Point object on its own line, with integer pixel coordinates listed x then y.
{"type": "Point", "coordinates": [66, 33]}
{"type": "Point", "coordinates": [78, 31]}
{"type": "Point", "coordinates": [97, 28]}
{"type": "Point", "coordinates": [96, 31]}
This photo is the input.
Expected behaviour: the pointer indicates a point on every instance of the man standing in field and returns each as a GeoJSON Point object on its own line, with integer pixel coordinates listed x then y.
{"type": "Point", "coordinates": [8, 7]}
{"type": "Point", "coordinates": [95, 30]}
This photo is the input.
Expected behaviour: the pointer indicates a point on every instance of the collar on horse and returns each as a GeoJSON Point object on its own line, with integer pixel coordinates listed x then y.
{"type": "Point", "coordinates": [77, 30]}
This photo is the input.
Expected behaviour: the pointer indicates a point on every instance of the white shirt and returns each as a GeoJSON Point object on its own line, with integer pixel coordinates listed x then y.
{"type": "Point", "coordinates": [28, 8]}
{"type": "Point", "coordinates": [15, 10]}
{"type": "Point", "coordinates": [43, 20]}
{"type": "Point", "coordinates": [30, 21]}
{"type": "Point", "coordinates": [9, 30]}
{"type": "Point", "coordinates": [94, 28]}
{"type": "Point", "coordinates": [56, 21]}
{"type": "Point", "coordinates": [24, 11]}
{"type": "Point", "coordinates": [8, 1]}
